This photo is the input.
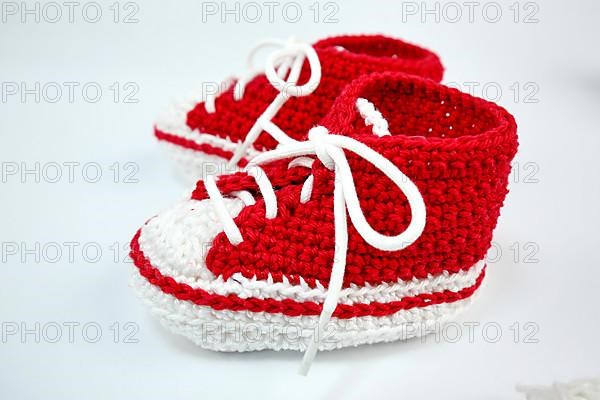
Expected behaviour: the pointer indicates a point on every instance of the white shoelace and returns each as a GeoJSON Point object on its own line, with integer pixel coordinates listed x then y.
{"type": "Point", "coordinates": [287, 61]}
{"type": "Point", "coordinates": [373, 117]}
{"type": "Point", "coordinates": [329, 149]}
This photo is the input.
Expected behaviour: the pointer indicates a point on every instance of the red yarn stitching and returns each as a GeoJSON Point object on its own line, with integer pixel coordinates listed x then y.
{"type": "Point", "coordinates": [190, 144]}
{"type": "Point", "coordinates": [362, 54]}
{"type": "Point", "coordinates": [287, 307]}
{"type": "Point", "coordinates": [461, 168]}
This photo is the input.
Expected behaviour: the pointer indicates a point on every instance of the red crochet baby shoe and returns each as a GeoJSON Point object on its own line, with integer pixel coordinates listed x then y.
{"type": "Point", "coordinates": [252, 263]}
{"type": "Point", "coordinates": [245, 117]}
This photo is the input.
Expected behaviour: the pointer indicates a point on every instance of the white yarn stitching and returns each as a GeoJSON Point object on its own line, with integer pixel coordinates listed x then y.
{"type": "Point", "coordinates": [289, 59]}
{"type": "Point", "coordinates": [244, 287]}
{"type": "Point", "coordinates": [195, 322]}
{"type": "Point", "coordinates": [372, 116]}
{"type": "Point", "coordinates": [329, 150]}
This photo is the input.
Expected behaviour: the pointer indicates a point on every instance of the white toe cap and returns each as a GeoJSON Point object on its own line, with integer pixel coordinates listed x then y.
{"type": "Point", "coordinates": [177, 240]}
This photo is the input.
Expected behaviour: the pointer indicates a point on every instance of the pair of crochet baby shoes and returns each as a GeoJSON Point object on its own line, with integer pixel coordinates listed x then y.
{"type": "Point", "coordinates": [346, 198]}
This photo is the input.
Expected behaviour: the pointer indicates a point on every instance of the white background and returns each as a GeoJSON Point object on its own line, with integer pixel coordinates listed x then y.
{"type": "Point", "coordinates": [552, 209]}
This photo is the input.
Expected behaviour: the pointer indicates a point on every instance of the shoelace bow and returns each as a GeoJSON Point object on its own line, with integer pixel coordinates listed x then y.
{"type": "Point", "coordinates": [329, 149]}
{"type": "Point", "coordinates": [285, 62]}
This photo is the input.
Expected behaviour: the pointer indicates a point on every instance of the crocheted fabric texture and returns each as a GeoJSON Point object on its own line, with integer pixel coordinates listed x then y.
{"type": "Point", "coordinates": [457, 150]}
{"type": "Point", "coordinates": [194, 136]}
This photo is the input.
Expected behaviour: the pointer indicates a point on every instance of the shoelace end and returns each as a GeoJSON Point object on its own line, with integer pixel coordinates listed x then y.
{"type": "Point", "coordinates": [308, 358]}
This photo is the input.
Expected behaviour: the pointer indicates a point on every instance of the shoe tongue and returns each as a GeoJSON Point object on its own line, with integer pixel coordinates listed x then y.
{"type": "Point", "coordinates": [353, 114]}
{"type": "Point", "coordinates": [367, 104]}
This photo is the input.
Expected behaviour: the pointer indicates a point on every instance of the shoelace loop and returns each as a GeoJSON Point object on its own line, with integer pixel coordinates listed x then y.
{"type": "Point", "coordinates": [329, 149]}
{"type": "Point", "coordinates": [282, 69]}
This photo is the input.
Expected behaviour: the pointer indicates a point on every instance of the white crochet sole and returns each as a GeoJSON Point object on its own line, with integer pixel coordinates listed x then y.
{"type": "Point", "coordinates": [251, 331]}
{"type": "Point", "coordinates": [176, 243]}
{"type": "Point", "coordinates": [192, 165]}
